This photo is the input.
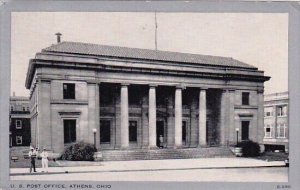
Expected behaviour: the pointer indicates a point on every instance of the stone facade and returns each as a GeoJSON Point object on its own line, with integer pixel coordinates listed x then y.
{"type": "Point", "coordinates": [276, 121]}
{"type": "Point", "coordinates": [132, 96]}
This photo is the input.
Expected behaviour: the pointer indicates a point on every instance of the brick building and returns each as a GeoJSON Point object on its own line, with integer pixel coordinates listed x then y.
{"type": "Point", "coordinates": [132, 96]}
{"type": "Point", "coordinates": [20, 134]}
{"type": "Point", "coordinates": [276, 121]}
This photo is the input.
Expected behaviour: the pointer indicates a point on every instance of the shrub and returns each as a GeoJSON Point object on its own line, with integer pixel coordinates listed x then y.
{"type": "Point", "coordinates": [79, 152]}
{"type": "Point", "coordinates": [249, 148]}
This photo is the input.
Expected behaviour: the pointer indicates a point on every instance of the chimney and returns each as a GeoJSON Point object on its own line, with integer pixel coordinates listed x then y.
{"type": "Point", "coordinates": [58, 37]}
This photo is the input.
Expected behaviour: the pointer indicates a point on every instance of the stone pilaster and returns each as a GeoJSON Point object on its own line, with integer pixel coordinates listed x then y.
{"type": "Point", "coordinates": [124, 116]}
{"type": "Point", "coordinates": [44, 128]}
{"type": "Point", "coordinates": [260, 117]}
{"type": "Point", "coordinates": [152, 117]}
{"type": "Point", "coordinates": [202, 118]}
{"type": "Point", "coordinates": [178, 117]}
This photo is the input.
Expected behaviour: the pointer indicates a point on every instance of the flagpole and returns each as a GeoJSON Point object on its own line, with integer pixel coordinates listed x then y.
{"type": "Point", "coordinates": [155, 31]}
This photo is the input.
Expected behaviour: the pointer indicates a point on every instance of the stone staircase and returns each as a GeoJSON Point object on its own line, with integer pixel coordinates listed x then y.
{"type": "Point", "coordinates": [156, 154]}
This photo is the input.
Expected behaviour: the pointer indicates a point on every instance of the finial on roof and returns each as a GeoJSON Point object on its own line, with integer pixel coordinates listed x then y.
{"type": "Point", "coordinates": [58, 37]}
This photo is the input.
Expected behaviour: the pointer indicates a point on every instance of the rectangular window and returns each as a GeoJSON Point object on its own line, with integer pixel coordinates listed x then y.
{"type": "Point", "coordinates": [281, 110]}
{"type": "Point", "coordinates": [18, 140]}
{"type": "Point", "coordinates": [18, 124]}
{"type": "Point", "coordinates": [69, 91]}
{"type": "Point", "coordinates": [268, 131]}
{"type": "Point", "coordinates": [281, 128]}
{"type": "Point", "coordinates": [268, 111]}
{"type": "Point", "coordinates": [245, 98]}
{"type": "Point", "coordinates": [132, 131]}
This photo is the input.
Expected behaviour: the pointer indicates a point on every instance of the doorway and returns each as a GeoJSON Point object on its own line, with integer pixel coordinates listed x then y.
{"type": "Point", "coordinates": [69, 130]}
{"type": "Point", "coordinates": [105, 131]}
{"type": "Point", "coordinates": [160, 131]}
{"type": "Point", "coordinates": [245, 130]}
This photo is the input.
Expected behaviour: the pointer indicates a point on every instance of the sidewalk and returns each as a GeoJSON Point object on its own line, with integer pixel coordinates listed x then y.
{"type": "Point", "coordinates": [151, 165]}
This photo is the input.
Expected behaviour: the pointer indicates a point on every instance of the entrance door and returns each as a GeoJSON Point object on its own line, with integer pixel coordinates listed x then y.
{"type": "Point", "coordinates": [159, 131]}
{"type": "Point", "coordinates": [245, 130]}
{"type": "Point", "coordinates": [132, 131]}
{"type": "Point", "coordinates": [69, 130]}
{"type": "Point", "coordinates": [105, 131]}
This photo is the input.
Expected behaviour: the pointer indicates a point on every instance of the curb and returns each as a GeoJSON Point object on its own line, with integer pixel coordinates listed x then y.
{"type": "Point", "coordinates": [142, 170]}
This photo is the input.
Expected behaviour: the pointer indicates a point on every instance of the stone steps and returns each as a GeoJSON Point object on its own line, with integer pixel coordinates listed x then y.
{"type": "Point", "coordinates": [156, 154]}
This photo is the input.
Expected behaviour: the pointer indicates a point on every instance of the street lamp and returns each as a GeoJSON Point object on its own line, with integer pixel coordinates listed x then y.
{"type": "Point", "coordinates": [95, 131]}
{"type": "Point", "coordinates": [237, 135]}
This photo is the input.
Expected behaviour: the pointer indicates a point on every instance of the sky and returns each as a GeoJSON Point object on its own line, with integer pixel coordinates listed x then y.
{"type": "Point", "coordinates": [258, 39]}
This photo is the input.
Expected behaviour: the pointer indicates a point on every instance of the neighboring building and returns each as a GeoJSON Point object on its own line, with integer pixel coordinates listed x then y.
{"type": "Point", "coordinates": [276, 121]}
{"type": "Point", "coordinates": [20, 134]}
{"type": "Point", "coordinates": [132, 96]}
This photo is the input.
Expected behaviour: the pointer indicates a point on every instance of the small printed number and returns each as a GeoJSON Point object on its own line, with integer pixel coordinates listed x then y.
{"type": "Point", "coordinates": [283, 186]}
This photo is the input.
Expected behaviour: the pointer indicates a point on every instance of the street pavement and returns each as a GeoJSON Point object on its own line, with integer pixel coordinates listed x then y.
{"type": "Point", "coordinates": [151, 165]}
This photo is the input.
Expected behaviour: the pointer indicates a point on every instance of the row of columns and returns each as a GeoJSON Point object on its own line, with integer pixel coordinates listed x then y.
{"type": "Point", "coordinates": [152, 117]}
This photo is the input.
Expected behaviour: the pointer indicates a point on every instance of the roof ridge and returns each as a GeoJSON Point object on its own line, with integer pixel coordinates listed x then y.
{"type": "Point", "coordinates": [153, 50]}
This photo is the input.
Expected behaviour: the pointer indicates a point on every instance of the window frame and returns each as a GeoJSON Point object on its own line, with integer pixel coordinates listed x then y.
{"type": "Point", "coordinates": [280, 110]}
{"type": "Point", "coordinates": [67, 95]}
{"type": "Point", "coordinates": [269, 133]}
{"type": "Point", "coordinates": [16, 123]}
{"type": "Point", "coordinates": [246, 102]}
{"type": "Point", "coordinates": [19, 138]}
{"type": "Point", "coordinates": [279, 128]}
{"type": "Point", "coordinates": [268, 110]}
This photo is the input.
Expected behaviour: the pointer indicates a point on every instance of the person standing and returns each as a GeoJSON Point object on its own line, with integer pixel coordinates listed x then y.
{"type": "Point", "coordinates": [32, 156]}
{"type": "Point", "coordinates": [44, 156]}
{"type": "Point", "coordinates": [161, 141]}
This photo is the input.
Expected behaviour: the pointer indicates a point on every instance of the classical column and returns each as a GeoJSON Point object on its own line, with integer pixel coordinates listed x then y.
{"type": "Point", "coordinates": [178, 117]}
{"type": "Point", "coordinates": [152, 117]}
{"type": "Point", "coordinates": [124, 116]}
{"type": "Point", "coordinates": [202, 118]}
{"type": "Point", "coordinates": [223, 118]}
{"type": "Point", "coordinates": [231, 120]}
